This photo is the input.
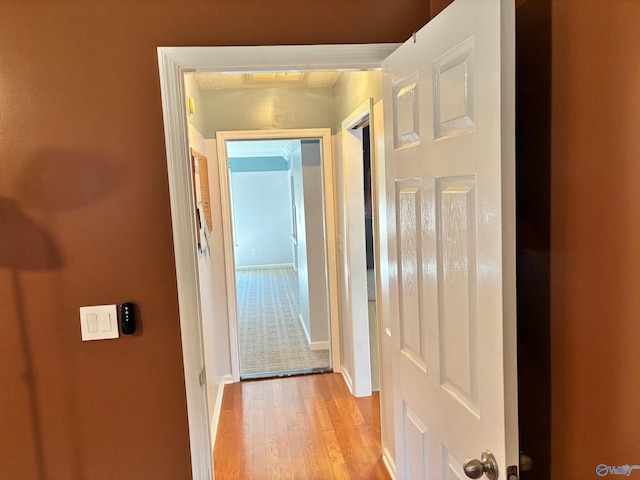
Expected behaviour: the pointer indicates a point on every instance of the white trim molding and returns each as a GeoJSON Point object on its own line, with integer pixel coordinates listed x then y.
{"type": "Point", "coordinates": [355, 255]}
{"type": "Point", "coordinates": [316, 346]}
{"type": "Point", "coordinates": [265, 267]}
{"type": "Point", "coordinates": [388, 461]}
{"type": "Point", "coordinates": [347, 379]}
{"type": "Point", "coordinates": [217, 409]}
{"type": "Point", "coordinates": [186, 257]}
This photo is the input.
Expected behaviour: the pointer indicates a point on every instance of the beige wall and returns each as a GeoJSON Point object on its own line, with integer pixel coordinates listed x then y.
{"type": "Point", "coordinates": [351, 90]}
{"type": "Point", "coordinates": [192, 90]}
{"type": "Point", "coordinates": [266, 109]}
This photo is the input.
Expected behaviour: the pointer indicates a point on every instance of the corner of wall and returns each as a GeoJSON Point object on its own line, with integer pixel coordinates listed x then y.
{"type": "Point", "coordinates": [192, 90]}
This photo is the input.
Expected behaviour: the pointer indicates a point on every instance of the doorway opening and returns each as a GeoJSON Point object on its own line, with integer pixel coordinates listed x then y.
{"type": "Point", "coordinates": [372, 309]}
{"type": "Point", "coordinates": [279, 250]}
{"type": "Point", "coordinates": [255, 236]}
{"type": "Point", "coordinates": [361, 321]}
{"type": "Point", "coordinates": [174, 63]}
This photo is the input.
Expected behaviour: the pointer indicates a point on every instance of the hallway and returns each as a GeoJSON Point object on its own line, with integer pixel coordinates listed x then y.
{"type": "Point", "coordinates": [270, 333]}
{"type": "Point", "coordinates": [306, 427]}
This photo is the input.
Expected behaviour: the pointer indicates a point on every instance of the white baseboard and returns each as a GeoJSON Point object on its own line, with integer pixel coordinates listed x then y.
{"type": "Point", "coordinates": [319, 345]}
{"type": "Point", "coordinates": [347, 380]}
{"type": "Point", "coordinates": [324, 345]}
{"type": "Point", "coordinates": [389, 463]}
{"type": "Point", "coordinates": [264, 267]}
{"type": "Point", "coordinates": [217, 409]}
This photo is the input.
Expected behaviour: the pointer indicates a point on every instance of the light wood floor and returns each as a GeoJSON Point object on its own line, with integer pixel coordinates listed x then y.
{"type": "Point", "coordinates": [307, 427]}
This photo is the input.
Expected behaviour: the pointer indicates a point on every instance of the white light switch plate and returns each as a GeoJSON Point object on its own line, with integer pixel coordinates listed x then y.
{"type": "Point", "coordinates": [99, 322]}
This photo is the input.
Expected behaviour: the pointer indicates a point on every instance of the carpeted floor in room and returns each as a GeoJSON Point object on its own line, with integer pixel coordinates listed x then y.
{"type": "Point", "coordinates": [271, 337]}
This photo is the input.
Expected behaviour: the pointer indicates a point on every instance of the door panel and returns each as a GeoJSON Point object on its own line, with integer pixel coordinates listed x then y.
{"type": "Point", "coordinates": [450, 165]}
{"type": "Point", "coordinates": [458, 319]}
{"type": "Point", "coordinates": [412, 340]}
{"type": "Point", "coordinates": [417, 440]}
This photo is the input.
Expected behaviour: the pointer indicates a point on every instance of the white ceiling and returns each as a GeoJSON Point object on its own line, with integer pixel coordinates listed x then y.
{"type": "Point", "coordinates": [257, 148]}
{"type": "Point", "coordinates": [219, 81]}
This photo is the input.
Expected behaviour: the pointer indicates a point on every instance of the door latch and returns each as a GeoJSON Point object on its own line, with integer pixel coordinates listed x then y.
{"type": "Point", "coordinates": [512, 472]}
{"type": "Point", "coordinates": [487, 466]}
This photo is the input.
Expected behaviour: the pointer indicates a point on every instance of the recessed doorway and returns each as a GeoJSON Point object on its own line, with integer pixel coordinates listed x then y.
{"type": "Point", "coordinates": [307, 247]}
{"type": "Point", "coordinates": [277, 214]}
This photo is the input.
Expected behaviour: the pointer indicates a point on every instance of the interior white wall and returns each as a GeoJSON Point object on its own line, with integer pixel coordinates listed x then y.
{"type": "Point", "coordinates": [262, 218]}
{"type": "Point", "coordinates": [343, 266]}
{"type": "Point", "coordinates": [351, 89]}
{"type": "Point", "coordinates": [355, 258]}
{"type": "Point", "coordinates": [212, 294]}
{"type": "Point", "coordinates": [266, 109]}
{"type": "Point", "coordinates": [192, 89]}
{"type": "Point", "coordinates": [316, 247]}
{"type": "Point", "coordinates": [301, 236]}
{"type": "Point", "coordinates": [218, 341]}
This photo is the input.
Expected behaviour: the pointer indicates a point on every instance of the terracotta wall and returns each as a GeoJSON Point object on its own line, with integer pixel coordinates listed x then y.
{"type": "Point", "coordinates": [595, 213]}
{"type": "Point", "coordinates": [84, 218]}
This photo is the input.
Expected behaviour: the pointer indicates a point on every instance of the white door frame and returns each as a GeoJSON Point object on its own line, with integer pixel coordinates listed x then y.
{"type": "Point", "coordinates": [173, 63]}
{"type": "Point", "coordinates": [323, 134]}
{"type": "Point", "coordinates": [359, 374]}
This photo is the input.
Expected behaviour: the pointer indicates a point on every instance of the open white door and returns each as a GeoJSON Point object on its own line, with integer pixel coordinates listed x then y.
{"type": "Point", "coordinates": [449, 126]}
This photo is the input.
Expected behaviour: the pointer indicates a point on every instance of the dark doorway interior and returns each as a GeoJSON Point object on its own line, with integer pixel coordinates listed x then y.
{"type": "Point", "coordinates": [533, 147]}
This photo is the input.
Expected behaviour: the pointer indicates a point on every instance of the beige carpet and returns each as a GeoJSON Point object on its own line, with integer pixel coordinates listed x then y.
{"type": "Point", "coordinates": [271, 337]}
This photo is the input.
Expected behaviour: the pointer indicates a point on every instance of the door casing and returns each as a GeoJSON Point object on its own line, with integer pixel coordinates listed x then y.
{"type": "Point", "coordinates": [173, 63]}
{"type": "Point", "coordinates": [324, 134]}
{"type": "Point", "coordinates": [359, 373]}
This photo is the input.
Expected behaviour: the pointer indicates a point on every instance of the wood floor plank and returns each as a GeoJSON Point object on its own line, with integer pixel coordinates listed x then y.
{"type": "Point", "coordinates": [315, 451]}
{"type": "Point", "coordinates": [245, 404]}
{"type": "Point", "coordinates": [298, 393]}
{"type": "Point", "coordinates": [345, 401]}
{"type": "Point", "coordinates": [299, 469]}
{"type": "Point", "coordinates": [269, 408]}
{"type": "Point", "coordinates": [232, 461]}
{"type": "Point", "coordinates": [320, 414]}
{"type": "Point", "coordinates": [271, 458]}
{"type": "Point", "coordinates": [335, 450]}
{"type": "Point", "coordinates": [283, 443]}
{"type": "Point", "coordinates": [320, 385]}
{"type": "Point", "coordinates": [305, 387]}
{"type": "Point", "coordinates": [288, 398]}
{"type": "Point", "coordinates": [298, 428]}
{"type": "Point", "coordinates": [278, 400]}
{"type": "Point", "coordinates": [259, 441]}
{"type": "Point", "coordinates": [295, 441]}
